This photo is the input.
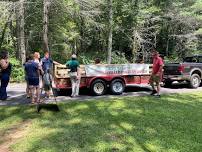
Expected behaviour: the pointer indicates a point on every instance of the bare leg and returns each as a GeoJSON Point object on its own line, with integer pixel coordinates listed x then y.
{"type": "Point", "coordinates": [28, 91]}
{"type": "Point", "coordinates": [72, 86]}
{"type": "Point", "coordinates": [77, 87]}
{"type": "Point", "coordinates": [48, 93]}
{"type": "Point", "coordinates": [32, 89]}
{"type": "Point", "coordinates": [37, 97]}
{"type": "Point", "coordinates": [158, 89]}
{"type": "Point", "coordinates": [152, 85]}
{"type": "Point", "coordinates": [151, 82]}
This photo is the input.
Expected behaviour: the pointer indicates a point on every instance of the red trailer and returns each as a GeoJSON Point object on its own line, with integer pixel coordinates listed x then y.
{"type": "Point", "coordinates": [98, 78]}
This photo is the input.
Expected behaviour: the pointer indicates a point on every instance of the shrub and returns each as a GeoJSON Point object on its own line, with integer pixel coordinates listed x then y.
{"type": "Point", "coordinates": [118, 58]}
{"type": "Point", "coordinates": [17, 74]}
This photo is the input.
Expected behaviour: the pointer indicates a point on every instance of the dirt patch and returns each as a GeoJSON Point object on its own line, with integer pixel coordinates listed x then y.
{"type": "Point", "coordinates": [12, 135]}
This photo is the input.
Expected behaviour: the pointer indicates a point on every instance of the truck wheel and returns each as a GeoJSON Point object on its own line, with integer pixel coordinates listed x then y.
{"type": "Point", "coordinates": [195, 81]}
{"type": "Point", "coordinates": [117, 87]}
{"type": "Point", "coordinates": [98, 87]}
{"type": "Point", "coordinates": [167, 84]}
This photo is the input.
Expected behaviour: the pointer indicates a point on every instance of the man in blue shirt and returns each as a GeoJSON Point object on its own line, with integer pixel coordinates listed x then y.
{"type": "Point", "coordinates": [32, 71]}
{"type": "Point", "coordinates": [47, 65]}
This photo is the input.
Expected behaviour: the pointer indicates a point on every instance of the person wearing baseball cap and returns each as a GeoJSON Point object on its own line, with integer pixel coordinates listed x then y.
{"type": "Point", "coordinates": [74, 74]}
{"type": "Point", "coordinates": [157, 72]}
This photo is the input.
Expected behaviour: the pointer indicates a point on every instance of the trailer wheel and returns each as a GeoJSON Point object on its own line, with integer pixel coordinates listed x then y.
{"type": "Point", "coordinates": [195, 81]}
{"type": "Point", "coordinates": [98, 87]}
{"type": "Point", "coordinates": [117, 87]}
{"type": "Point", "coordinates": [56, 92]}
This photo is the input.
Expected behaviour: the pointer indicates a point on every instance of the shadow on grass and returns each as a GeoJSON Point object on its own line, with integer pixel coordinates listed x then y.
{"type": "Point", "coordinates": [126, 124]}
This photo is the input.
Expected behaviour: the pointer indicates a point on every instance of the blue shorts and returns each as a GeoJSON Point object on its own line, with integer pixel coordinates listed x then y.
{"type": "Point", "coordinates": [33, 81]}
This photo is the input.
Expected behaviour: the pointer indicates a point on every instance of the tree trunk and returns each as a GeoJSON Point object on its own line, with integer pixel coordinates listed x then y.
{"type": "Point", "coordinates": [17, 34]}
{"type": "Point", "coordinates": [167, 47]}
{"type": "Point", "coordinates": [22, 31]}
{"type": "Point", "coordinates": [3, 32]}
{"type": "Point", "coordinates": [109, 57]}
{"type": "Point", "coordinates": [136, 45]}
{"type": "Point", "coordinates": [45, 25]}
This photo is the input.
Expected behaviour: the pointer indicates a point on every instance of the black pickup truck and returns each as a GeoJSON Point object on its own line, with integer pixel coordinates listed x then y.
{"type": "Point", "coordinates": [189, 70]}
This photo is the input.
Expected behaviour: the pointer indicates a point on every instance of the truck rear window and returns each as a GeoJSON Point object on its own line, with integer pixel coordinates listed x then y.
{"type": "Point", "coordinates": [190, 59]}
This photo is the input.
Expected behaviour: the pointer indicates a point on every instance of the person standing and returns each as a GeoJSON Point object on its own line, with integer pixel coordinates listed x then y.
{"type": "Point", "coordinates": [32, 70]}
{"type": "Point", "coordinates": [5, 67]}
{"type": "Point", "coordinates": [46, 62]}
{"type": "Point", "coordinates": [47, 83]}
{"type": "Point", "coordinates": [74, 74]}
{"type": "Point", "coordinates": [47, 65]}
{"type": "Point", "coordinates": [157, 72]}
{"type": "Point", "coordinates": [37, 60]}
{"type": "Point", "coordinates": [28, 92]}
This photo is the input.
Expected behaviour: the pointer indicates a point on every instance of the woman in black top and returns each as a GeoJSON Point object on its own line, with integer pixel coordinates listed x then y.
{"type": "Point", "coordinates": [5, 67]}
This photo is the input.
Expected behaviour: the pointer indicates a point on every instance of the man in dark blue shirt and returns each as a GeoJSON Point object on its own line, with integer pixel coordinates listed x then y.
{"type": "Point", "coordinates": [47, 63]}
{"type": "Point", "coordinates": [32, 71]}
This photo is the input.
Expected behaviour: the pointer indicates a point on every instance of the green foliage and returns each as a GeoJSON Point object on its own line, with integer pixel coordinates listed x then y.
{"type": "Point", "coordinates": [118, 58]}
{"type": "Point", "coordinates": [89, 58]}
{"type": "Point", "coordinates": [17, 74]}
{"type": "Point", "coordinates": [172, 59]}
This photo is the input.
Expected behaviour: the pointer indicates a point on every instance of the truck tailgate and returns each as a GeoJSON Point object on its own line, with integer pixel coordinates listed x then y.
{"type": "Point", "coordinates": [172, 69]}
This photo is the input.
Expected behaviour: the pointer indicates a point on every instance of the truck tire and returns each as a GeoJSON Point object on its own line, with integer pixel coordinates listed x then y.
{"type": "Point", "coordinates": [167, 84]}
{"type": "Point", "coordinates": [117, 87]}
{"type": "Point", "coordinates": [98, 87]}
{"type": "Point", "coordinates": [195, 81]}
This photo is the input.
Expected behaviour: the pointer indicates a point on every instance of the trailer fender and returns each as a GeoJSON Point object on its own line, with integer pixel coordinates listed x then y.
{"type": "Point", "coordinates": [91, 80]}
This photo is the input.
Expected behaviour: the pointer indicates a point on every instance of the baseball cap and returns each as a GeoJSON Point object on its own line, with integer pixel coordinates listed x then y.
{"type": "Point", "coordinates": [74, 56]}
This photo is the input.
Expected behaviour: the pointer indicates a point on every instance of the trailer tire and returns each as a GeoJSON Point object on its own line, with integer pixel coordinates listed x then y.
{"type": "Point", "coordinates": [98, 87]}
{"type": "Point", "coordinates": [56, 92]}
{"type": "Point", "coordinates": [195, 81]}
{"type": "Point", "coordinates": [117, 87]}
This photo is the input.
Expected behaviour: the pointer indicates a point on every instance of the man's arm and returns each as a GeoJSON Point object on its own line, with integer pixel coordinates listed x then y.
{"type": "Point", "coordinates": [78, 72]}
{"type": "Point", "coordinates": [67, 64]}
{"type": "Point", "coordinates": [160, 70]}
{"type": "Point", "coordinates": [39, 69]}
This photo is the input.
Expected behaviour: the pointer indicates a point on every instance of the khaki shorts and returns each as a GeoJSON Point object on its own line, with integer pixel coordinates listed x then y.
{"type": "Point", "coordinates": [155, 79]}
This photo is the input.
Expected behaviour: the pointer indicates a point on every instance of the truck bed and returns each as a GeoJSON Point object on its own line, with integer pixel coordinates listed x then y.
{"type": "Point", "coordinates": [172, 69]}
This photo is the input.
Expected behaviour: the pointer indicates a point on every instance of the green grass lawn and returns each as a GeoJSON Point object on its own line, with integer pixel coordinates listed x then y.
{"type": "Point", "coordinates": [172, 123]}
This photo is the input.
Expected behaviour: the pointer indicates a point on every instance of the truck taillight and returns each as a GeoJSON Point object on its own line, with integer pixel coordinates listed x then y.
{"type": "Point", "coordinates": [181, 68]}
